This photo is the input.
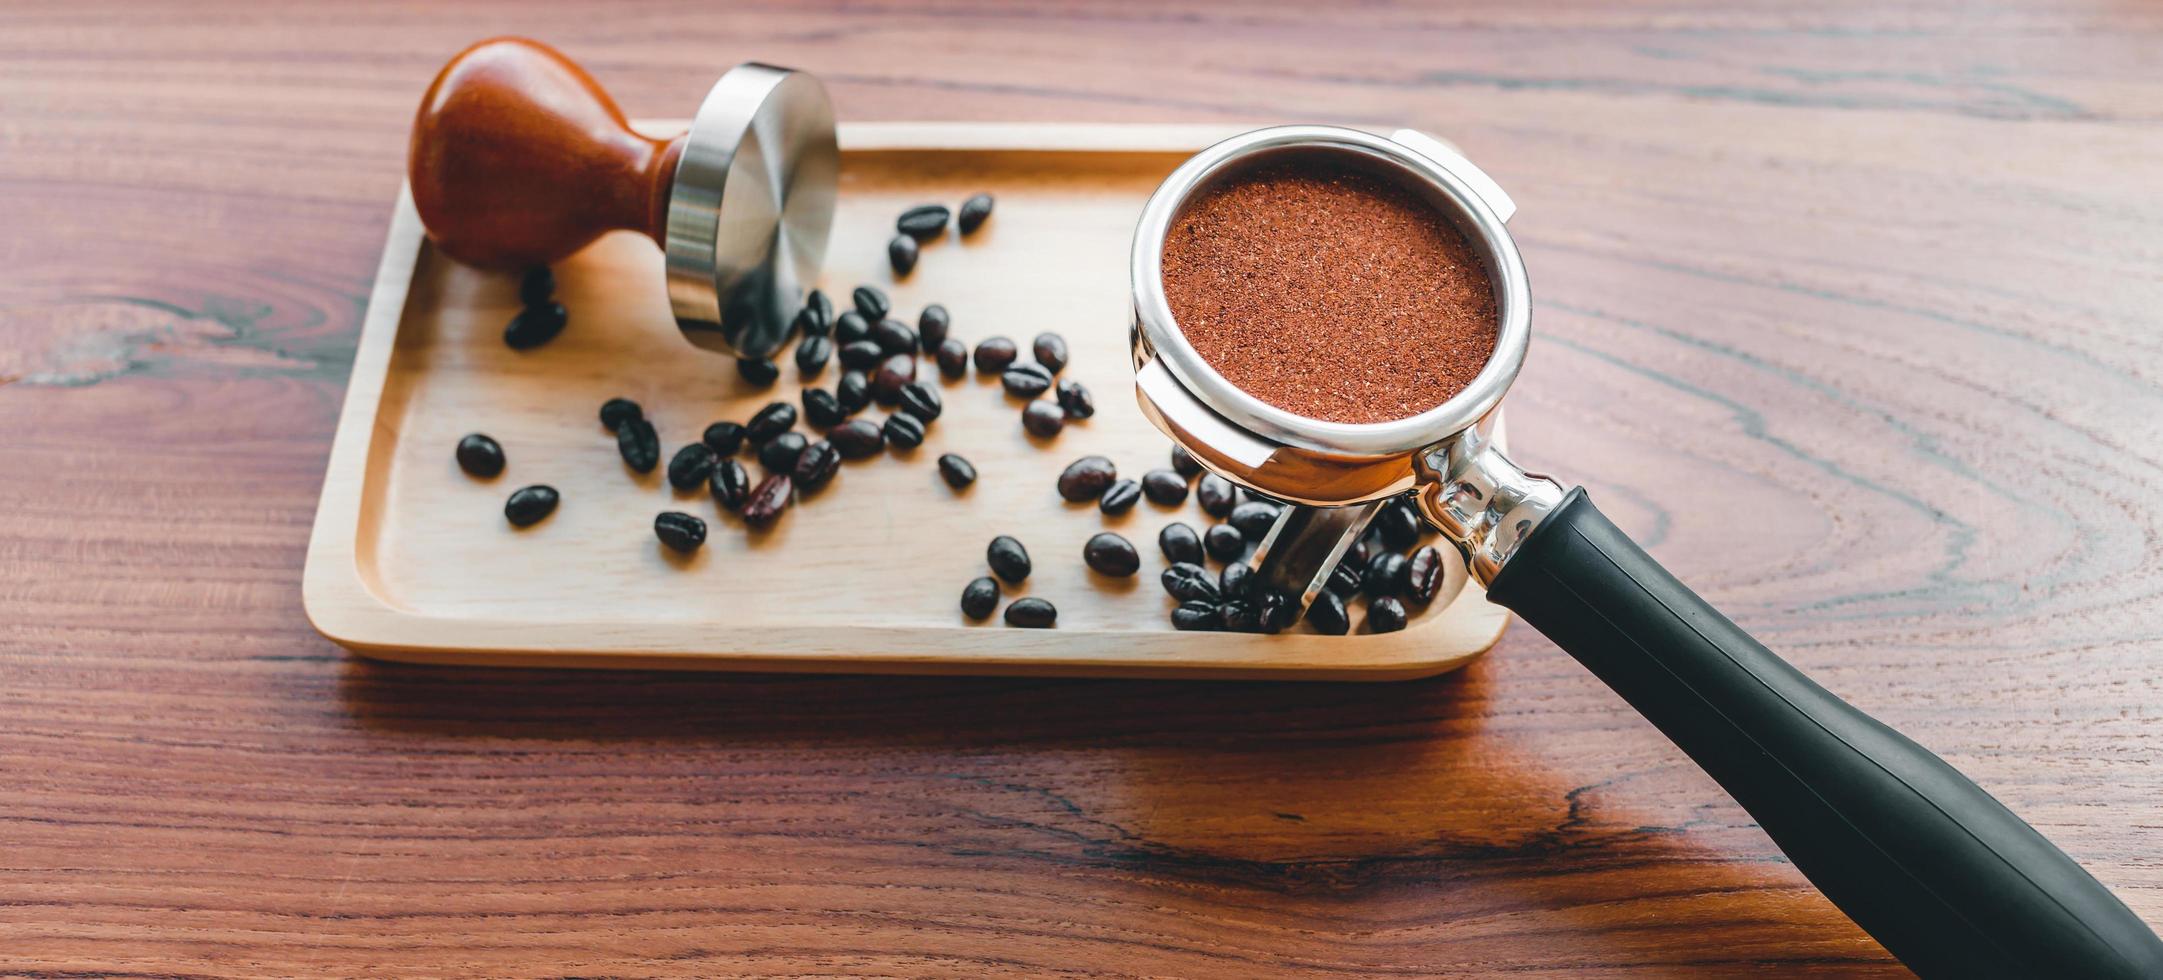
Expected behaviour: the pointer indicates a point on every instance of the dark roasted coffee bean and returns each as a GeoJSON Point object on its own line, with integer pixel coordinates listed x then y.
{"type": "Point", "coordinates": [921, 400]}
{"type": "Point", "coordinates": [1385, 575]}
{"type": "Point", "coordinates": [973, 212]}
{"type": "Point", "coordinates": [537, 286]}
{"type": "Point", "coordinates": [953, 358]}
{"type": "Point", "coordinates": [922, 221]}
{"type": "Point", "coordinates": [638, 444]}
{"type": "Point", "coordinates": [861, 355]}
{"type": "Point", "coordinates": [1180, 544]}
{"type": "Point", "coordinates": [529, 504]}
{"type": "Point", "coordinates": [1328, 614]}
{"type": "Point", "coordinates": [615, 410]}
{"type": "Point", "coordinates": [1109, 554]}
{"type": "Point", "coordinates": [956, 471]}
{"type": "Point", "coordinates": [816, 319]}
{"type": "Point", "coordinates": [1224, 542]}
{"type": "Point", "coordinates": [894, 336]}
{"type": "Point", "coordinates": [535, 325]}
{"type": "Point", "coordinates": [1075, 400]}
{"type": "Point", "coordinates": [1031, 613]}
{"type": "Point", "coordinates": [1361, 552]}
{"type": "Point", "coordinates": [1254, 519]}
{"type": "Point", "coordinates": [812, 353]}
{"type": "Point", "coordinates": [1184, 464]}
{"type": "Point", "coordinates": [932, 326]}
{"type": "Point", "coordinates": [995, 354]}
{"type": "Point", "coordinates": [822, 410]}
{"type": "Point", "coordinates": [1423, 575]}
{"type": "Point", "coordinates": [816, 466]}
{"type": "Point", "coordinates": [857, 439]}
{"type": "Point", "coordinates": [758, 370]}
{"type": "Point", "coordinates": [681, 532]}
{"type": "Point", "coordinates": [1215, 495]}
{"type": "Point", "coordinates": [1344, 580]}
{"type": "Point", "coordinates": [1241, 616]}
{"type": "Point", "coordinates": [479, 456]}
{"type": "Point", "coordinates": [1042, 419]}
{"type": "Point", "coordinates": [773, 420]}
{"type": "Point", "coordinates": [903, 431]}
{"type": "Point", "coordinates": [1196, 616]}
{"type": "Point", "coordinates": [724, 438]}
{"type": "Point", "coordinates": [1120, 497]}
{"type": "Point", "coordinates": [853, 391]}
{"type": "Point", "coordinates": [871, 302]}
{"type": "Point", "coordinates": [1164, 487]}
{"type": "Point", "coordinates": [1190, 583]}
{"type": "Point", "coordinates": [1050, 351]}
{"type": "Point", "coordinates": [980, 597]}
{"type": "Point", "coordinates": [851, 327]}
{"type": "Point", "coordinates": [1025, 381]}
{"type": "Point", "coordinates": [893, 374]}
{"type": "Point", "coordinates": [901, 252]}
{"type": "Point", "coordinates": [690, 466]}
{"type": "Point", "coordinates": [779, 453]}
{"type": "Point", "coordinates": [1007, 558]}
{"type": "Point", "coordinates": [1235, 580]}
{"type": "Point", "coordinates": [1385, 615]}
{"type": "Point", "coordinates": [730, 484]}
{"type": "Point", "coordinates": [1084, 479]}
{"type": "Point", "coordinates": [1399, 524]}
{"type": "Point", "coordinates": [768, 500]}
{"type": "Point", "coordinates": [1278, 611]}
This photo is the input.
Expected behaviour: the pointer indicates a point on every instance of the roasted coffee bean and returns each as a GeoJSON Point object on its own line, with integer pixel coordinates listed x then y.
{"type": "Point", "coordinates": [768, 500]}
{"type": "Point", "coordinates": [1361, 552]}
{"type": "Point", "coordinates": [1084, 479]}
{"type": "Point", "coordinates": [903, 430]}
{"type": "Point", "coordinates": [479, 456]}
{"type": "Point", "coordinates": [681, 532]}
{"type": "Point", "coordinates": [1385, 575]}
{"type": "Point", "coordinates": [1278, 611]}
{"type": "Point", "coordinates": [1042, 419]}
{"type": "Point", "coordinates": [1191, 616]}
{"type": "Point", "coordinates": [871, 302]}
{"type": "Point", "coordinates": [932, 326]}
{"type": "Point", "coordinates": [894, 373]}
{"type": "Point", "coordinates": [1184, 464]}
{"type": "Point", "coordinates": [730, 484]}
{"type": "Point", "coordinates": [1224, 542]}
{"type": "Point", "coordinates": [816, 466]}
{"type": "Point", "coordinates": [535, 325]}
{"type": "Point", "coordinates": [690, 466]}
{"type": "Point", "coordinates": [922, 221]}
{"type": "Point", "coordinates": [779, 453]}
{"type": "Point", "coordinates": [853, 391]}
{"type": "Point", "coordinates": [861, 355]}
{"type": "Point", "coordinates": [1344, 580]}
{"type": "Point", "coordinates": [894, 336]}
{"type": "Point", "coordinates": [1190, 583]}
{"type": "Point", "coordinates": [1328, 615]}
{"type": "Point", "coordinates": [724, 438]}
{"type": "Point", "coordinates": [1215, 495]}
{"type": "Point", "coordinates": [995, 355]}
{"type": "Point", "coordinates": [1385, 615]}
{"type": "Point", "coordinates": [1423, 575]}
{"type": "Point", "coordinates": [1025, 381]}
{"type": "Point", "coordinates": [1050, 351]}
{"type": "Point", "coordinates": [615, 410]}
{"type": "Point", "coordinates": [956, 471]}
{"type": "Point", "coordinates": [901, 254]}
{"type": "Point", "coordinates": [537, 286]}
{"type": "Point", "coordinates": [1109, 554]}
{"type": "Point", "coordinates": [921, 400]}
{"type": "Point", "coordinates": [1007, 558]}
{"type": "Point", "coordinates": [822, 410]}
{"type": "Point", "coordinates": [953, 358]}
{"type": "Point", "coordinates": [857, 439]}
{"type": "Point", "coordinates": [851, 327]}
{"type": "Point", "coordinates": [1180, 544]}
{"type": "Point", "coordinates": [1120, 497]}
{"type": "Point", "coordinates": [758, 370]}
{"type": "Point", "coordinates": [638, 444]}
{"type": "Point", "coordinates": [1240, 616]}
{"type": "Point", "coordinates": [1164, 487]}
{"type": "Point", "coordinates": [1254, 519]}
{"type": "Point", "coordinates": [773, 420]}
{"type": "Point", "coordinates": [816, 319]}
{"type": "Point", "coordinates": [980, 597]}
{"type": "Point", "coordinates": [1031, 613]}
{"type": "Point", "coordinates": [812, 353]}
{"type": "Point", "coordinates": [529, 504]}
{"type": "Point", "coordinates": [973, 212]}
{"type": "Point", "coordinates": [1236, 580]}
{"type": "Point", "coordinates": [1399, 524]}
{"type": "Point", "coordinates": [1075, 400]}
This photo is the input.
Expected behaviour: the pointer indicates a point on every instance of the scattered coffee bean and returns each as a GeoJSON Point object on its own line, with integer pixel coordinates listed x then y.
{"type": "Point", "coordinates": [1278, 611]}
{"type": "Point", "coordinates": [1190, 583]}
{"type": "Point", "coordinates": [1385, 575]}
{"type": "Point", "coordinates": [816, 466]}
{"type": "Point", "coordinates": [1184, 464]}
{"type": "Point", "coordinates": [768, 500]}
{"type": "Point", "coordinates": [956, 471]}
{"type": "Point", "coordinates": [980, 597]}
{"type": "Point", "coordinates": [1085, 479]}
{"type": "Point", "coordinates": [615, 410]}
{"type": "Point", "coordinates": [822, 410]}
{"type": "Point", "coordinates": [812, 353]}
{"type": "Point", "coordinates": [973, 212]}
{"type": "Point", "coordinates": [1215, 495]}
{"type": "Point", "coordinates": [1236, 580]}
{"type": "Point", "coordinates": [1026, 381]}
{"type": "Point", "coordinates": [1120, 497]}
{"type": "Point", "coordinates": [730, 484]}
{"type": "Point", "coordinates": [861, 355]}
{"type": "Point", "coordinates": [1385, 615]}
{"type": "Point", "coordinates": [851, 327]}
{"type": "Point", "coordinates": [922, 221]}
{"type": "Point", "coordinates": [638, 444]}
{"type": "Point", "coordinates": [1164, 487]}
{"type": "Point", "coordinates": [1329, 615]}
{"type": "Point", "coordinates": [853, 391]}
{"type": "Point", "coordinates": [690, 466]}
{"type": "Point", "coordinates": [995, 354]}
{"type": "Point", "coordinates": [816, 319]}
{"type": "Point", "coordinates": [857, 439]}
{"type": "Point", "coordinates": [1191, 616]}
{"type": "Point", "coordinates": [724, 438]}
{"type": "Point", "coordinates": [1344, 580]}
{"type": "Point", "coordinates": [681, 532]}
{"type": "Point", "coordinates": [953, 358]}
{"type": "Point", "coordinates": [894, 336]}
{"type": "Point", "coordinates": [921, 400]}
{"type": "Point", "coordinates": [932, 326]}
{"type": "Point", "coordinates": [1398, 523]}
{"type": "Point", "coordinates": [901, 253]}
{"type": "Point", "coordinates": [1043, 419]}
{"type": "Point", "coordinates": [894, 373]}
{"type": "Point", "coordinates": [1361, 552]}
{"type": "Point", "coordinates": [1109, 554]}
{"type": "Point", "coordinates": [773, 420]}
{"type": "Point", "coordinates": [1254, 519]}
{"type": "Point", "coordinates": [1050, 351]}
{"type": "Point", "coordinates": [779, 453]}
{"type": "Point", "coordinates": [1031, 613]}
{"type": "Point", "coordinates": [903, 431]}
{"type": "Point", "coordinates": [758, 370]}
{"type": "Point", "coordinates": [1075, 400]}
{"type": "Point", "coordinates": [1241, 616]}
{"type": "Point", "coordinates": [1224, 542]}
{"type": "Point", "coordinates": [535, 325]}
{"type": "Point", "coordinates": [1180, 544]}
{"type": "Point", "coordinates": [871, 302]}
{"type": "Point", "coordinates": [1007, 558]}
{"type": "Point", "coordinates": [1423, 575]}
{"type": "Point", "coordinates": [529, 504]}
{"type": "Point", "coordinates": [537, 286]}
{"type": "Point", "coordinates": [480, 456]}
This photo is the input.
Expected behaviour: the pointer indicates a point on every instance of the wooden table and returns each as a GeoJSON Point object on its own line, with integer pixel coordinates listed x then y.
{"type": "Point", "coordinates": [1850, 312]}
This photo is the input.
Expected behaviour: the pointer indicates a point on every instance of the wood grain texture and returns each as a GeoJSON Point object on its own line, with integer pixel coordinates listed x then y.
{"type": "Point", "coordinates": [1848, 311]}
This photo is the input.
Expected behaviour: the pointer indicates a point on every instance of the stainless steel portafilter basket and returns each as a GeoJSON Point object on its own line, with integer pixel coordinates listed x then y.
{"type": "Point", "coordinates": [1939, 871]}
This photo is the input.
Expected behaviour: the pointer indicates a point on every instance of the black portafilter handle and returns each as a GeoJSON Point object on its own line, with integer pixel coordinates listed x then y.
{"type": "Point", "coordinates": [1941, 873]}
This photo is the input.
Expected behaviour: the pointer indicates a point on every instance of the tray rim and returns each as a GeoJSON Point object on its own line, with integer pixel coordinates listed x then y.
{"type": "Point", "coordinates": [342, 605]}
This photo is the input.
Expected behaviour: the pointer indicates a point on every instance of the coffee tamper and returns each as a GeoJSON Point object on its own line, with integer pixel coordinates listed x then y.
{"type": "Point", "coordinates": [519, 159]}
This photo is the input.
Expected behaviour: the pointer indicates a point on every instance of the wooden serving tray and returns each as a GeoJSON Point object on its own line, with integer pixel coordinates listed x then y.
{"type": "Point", "coordinates": [412, 560]}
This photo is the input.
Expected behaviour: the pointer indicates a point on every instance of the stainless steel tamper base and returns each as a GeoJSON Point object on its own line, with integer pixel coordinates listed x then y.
{"type": "Point", "coordinates": [751, 209]}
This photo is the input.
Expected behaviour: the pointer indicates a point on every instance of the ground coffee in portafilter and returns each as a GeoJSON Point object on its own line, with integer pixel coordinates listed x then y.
{"type": "Point", "coordinates": [1330, 293]}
